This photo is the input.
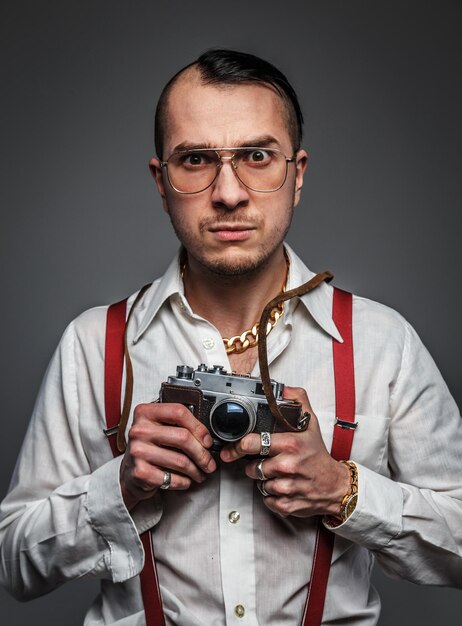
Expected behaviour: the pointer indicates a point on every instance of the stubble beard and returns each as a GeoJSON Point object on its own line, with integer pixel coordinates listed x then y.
{"type": "Point", "coordinates": [226, 266]}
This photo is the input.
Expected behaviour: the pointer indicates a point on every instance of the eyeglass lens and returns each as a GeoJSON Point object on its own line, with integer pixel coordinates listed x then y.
{"type": "Point", "coordinates": [260, 169]}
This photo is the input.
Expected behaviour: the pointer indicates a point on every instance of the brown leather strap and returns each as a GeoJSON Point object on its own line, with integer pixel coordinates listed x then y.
{"type": "Point", "coordinates": [262, 351]}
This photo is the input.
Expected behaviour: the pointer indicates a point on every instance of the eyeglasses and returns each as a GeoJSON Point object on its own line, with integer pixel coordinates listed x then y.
{"type": "Point", "coordinates": [258, 169]}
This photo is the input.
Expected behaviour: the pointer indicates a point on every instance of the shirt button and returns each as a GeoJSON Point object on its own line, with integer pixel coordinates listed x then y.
{"type": "Point", "coordinates": [234, 517]}
{"type": "Point", "coordinates": [208, 343]}
{"type": "Point", "coordinates": [239, 610]}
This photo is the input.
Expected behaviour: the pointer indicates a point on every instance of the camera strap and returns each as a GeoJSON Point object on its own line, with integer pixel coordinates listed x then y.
{"type": "Point", "coordinates": [262, 341]}
{"type": "Point", "coordinates": [116, 353]}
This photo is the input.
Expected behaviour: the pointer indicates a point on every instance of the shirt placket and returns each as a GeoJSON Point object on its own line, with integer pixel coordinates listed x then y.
{"type": "Point", "coordinates": [237, 553]}
{"type": "Point", "coordinates": [236, 519]}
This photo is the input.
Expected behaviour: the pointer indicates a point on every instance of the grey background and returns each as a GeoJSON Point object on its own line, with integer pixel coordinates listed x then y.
{"type": "Point", "coordinates": [82, 225]}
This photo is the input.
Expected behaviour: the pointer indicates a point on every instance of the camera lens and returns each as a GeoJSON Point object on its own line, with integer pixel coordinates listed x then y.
{"type": "Point", "coordinates": [230, 420]}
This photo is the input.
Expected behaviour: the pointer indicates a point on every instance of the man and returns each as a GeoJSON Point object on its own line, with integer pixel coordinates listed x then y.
{"type": "Point", "coordinates": [230, 169]}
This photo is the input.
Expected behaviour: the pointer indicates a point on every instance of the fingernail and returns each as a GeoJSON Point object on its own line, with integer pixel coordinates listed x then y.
{"type": "Point", "coordinates": [211, 466]}
{"type": "Point", "coordinates": [208, 441]}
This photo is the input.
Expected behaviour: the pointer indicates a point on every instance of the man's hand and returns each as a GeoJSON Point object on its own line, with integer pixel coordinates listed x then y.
{"type": "Point", "coordinates": [164, 437]}
{"type": "Point", "coordinates": [301, 476]}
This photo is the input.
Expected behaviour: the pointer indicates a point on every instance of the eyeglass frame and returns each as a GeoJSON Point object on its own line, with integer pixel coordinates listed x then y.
{"type": "Point", "coordinates": [164, 164]}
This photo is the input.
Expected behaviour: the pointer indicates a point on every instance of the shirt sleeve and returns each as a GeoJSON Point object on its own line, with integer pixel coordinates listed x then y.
{"type": "Point", "coordinates": [412, 519]}
{"type": "Point", "coordinates": [64, 516]}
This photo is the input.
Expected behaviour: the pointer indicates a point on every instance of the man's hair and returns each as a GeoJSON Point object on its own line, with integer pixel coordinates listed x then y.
{"type": "Point", "coordinates": [229, 67]}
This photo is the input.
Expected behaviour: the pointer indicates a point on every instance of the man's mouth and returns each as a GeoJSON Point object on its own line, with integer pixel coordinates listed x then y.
{"type": "Point", "coordinates": [231, 232]}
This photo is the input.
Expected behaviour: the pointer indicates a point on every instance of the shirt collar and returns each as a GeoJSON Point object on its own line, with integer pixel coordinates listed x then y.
{"type": "Point", "coordinates": [317, 302]}
{"type": "Point", "coordinates": [162, 289]}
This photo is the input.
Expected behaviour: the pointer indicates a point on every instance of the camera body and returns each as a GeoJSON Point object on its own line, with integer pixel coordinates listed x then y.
{"type": "Point", "coordinates": [229, 405]}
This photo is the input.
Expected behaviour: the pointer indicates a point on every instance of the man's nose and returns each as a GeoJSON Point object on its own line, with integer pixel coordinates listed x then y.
{"type": "Point", "coordinates": [228, 191]}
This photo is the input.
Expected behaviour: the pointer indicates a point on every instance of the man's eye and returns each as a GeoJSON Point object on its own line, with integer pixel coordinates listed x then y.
{"type": "Point", "coordinates": [195, 159]}
{"type": "Point", "coordinates": [257, 156]}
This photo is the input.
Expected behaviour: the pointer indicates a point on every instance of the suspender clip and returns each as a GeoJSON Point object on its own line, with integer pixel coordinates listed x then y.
{"type": "Point", "coordinates": [111, 431]}
{"type": "Point", "coordinates": [345, 424]}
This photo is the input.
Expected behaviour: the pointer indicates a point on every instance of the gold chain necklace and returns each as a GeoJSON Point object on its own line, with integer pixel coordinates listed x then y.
{"type": "Point", "coordinates": [249, 338]}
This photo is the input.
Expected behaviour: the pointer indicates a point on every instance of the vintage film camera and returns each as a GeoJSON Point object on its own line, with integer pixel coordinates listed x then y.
{"type": "Point", "coordinates": [229, 405]}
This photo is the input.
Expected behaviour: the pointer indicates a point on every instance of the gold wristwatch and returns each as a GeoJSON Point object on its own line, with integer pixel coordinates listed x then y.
{"type": "Point", "coordinates": [349, 500]}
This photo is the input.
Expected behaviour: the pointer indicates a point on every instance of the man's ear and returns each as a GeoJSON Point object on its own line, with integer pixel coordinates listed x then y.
{"type": "Point", "coordinates": [301, 163]}
{"type": "Point", "coordinates": [156, 171]}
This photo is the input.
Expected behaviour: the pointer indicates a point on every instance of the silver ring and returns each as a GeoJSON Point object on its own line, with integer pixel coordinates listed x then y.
{"type": "Point", "coordinates": [303, 421]}
{"type": "Point", "coordinates": [167, 480]}
{"type": "Point", "coordinates": [260, 474]}
{"type": "Point", "coordinates": [261, 488]}
{"type": "Point", "coordinates": [265, 443]}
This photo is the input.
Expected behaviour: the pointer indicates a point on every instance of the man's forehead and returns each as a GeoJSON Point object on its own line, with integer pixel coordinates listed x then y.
{"type": "Point", "coordinates": [194, 106]}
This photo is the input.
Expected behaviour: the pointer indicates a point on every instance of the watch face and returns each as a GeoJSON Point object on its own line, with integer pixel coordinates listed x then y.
{"type": "Point", "coordinates": [350, 505]}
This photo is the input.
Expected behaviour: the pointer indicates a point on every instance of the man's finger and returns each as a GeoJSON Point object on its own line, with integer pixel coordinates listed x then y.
{"type": "Point", "coordinates": [251, 445]}
{"type": "Point", "coordinates": [261, 469]}
{"type": "Point", "coordinates": [181, 442]}
{"type": "Point", "coordinates": [154, 477]}
{"type": "Point", "coordinates": [168, 459]}
{"type": "Point", "coordinates": [175, 415]}
{"type": "Point", "coordinates": [299, 395]}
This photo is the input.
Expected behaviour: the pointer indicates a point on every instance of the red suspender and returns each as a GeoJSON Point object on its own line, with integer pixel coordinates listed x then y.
{"type": "Point", "coordinates": [344, 376]}
{"type": "Point", "coordinates": [342, 313]}
{"type": "Point", "coordinates": [113, 366]}
{"type": "Point", "coordinates": [150, 590]}
{"type": "Point", "coordinates": [113, 370]}
{"type": "Point", "coordinates": [341, 447]}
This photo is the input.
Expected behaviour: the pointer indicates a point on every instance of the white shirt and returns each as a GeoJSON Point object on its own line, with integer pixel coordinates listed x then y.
{"type": "Point", "coordinates": [64, 516]}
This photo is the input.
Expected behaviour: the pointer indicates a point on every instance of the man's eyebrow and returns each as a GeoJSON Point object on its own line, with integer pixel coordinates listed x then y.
{"type": "Point", "coordinates": [187, 145]}
{"type": "Point", "coordinates": [257, 142]}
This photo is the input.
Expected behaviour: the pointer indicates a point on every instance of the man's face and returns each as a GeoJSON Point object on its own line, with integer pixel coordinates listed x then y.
{"type": "Point", "coordinates": [228, 228]}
